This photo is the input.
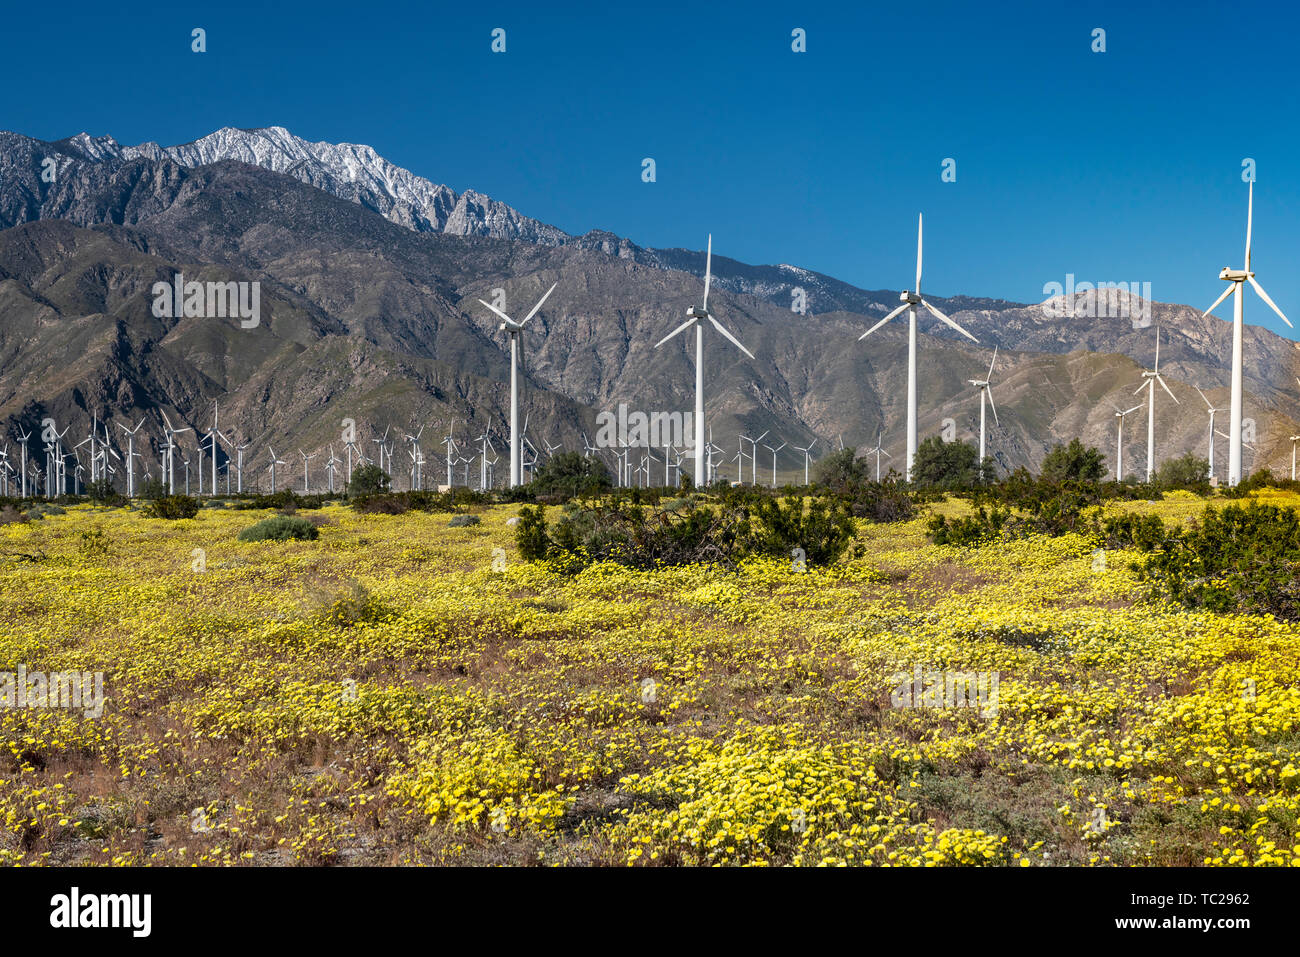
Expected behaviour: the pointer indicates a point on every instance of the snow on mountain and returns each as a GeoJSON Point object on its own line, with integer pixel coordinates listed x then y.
{"type": "Point", "coordinates": [350, 171]}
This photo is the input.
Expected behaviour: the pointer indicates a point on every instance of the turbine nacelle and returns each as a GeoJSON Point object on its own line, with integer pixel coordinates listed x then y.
{"type": "Point", "coordinates": [1229, 274]}
{"type": "Point", "coordinates": [913, 298]}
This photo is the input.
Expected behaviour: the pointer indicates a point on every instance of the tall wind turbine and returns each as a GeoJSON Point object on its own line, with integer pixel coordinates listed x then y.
{"type": "Point", "coordinates": [693, 316]}
{"type": "Point", "coordinates": [1119, 441]}
{"type": "Point", "coordinates": [1212, 411]}
{"type": "Point", "coordinates": [1236, 278]}
{"type": "Point", "coordinates": [985, 392]}
{"type": "Point", "coordinates": [515, 329]}
{"type": "Point", "coordinates": [911, 299]}
{"type": "Point", "coordinates": [1149, 382]}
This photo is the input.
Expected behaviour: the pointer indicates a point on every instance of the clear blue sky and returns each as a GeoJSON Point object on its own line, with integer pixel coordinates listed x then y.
{"type": "Point", "coordinates": [1115, 166]}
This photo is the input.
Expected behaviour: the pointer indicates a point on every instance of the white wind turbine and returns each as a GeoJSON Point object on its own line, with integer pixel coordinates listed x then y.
{"type": "Point", "coordinates": [1150, 380]}
{"type": "Point", "coordinates": [275, 460]}
{"type": "Point", "coordinates": [911, 299]}
{"type": "Point", "coordinates": [693, 316]}
{"type": "Point", "coordinates": [879, 449]}
{"type": "Point", "coordinates": [1212, 411]}
{"type": "Point", "coordinates": [306, 467]}
{"type": "Point", "coordinates": [1119, 441]}
{"type": "Point", "coordinates": [22, 440]}
{"type": "Point", "coordinates": [171, 452]}
{"type": "Point", "coordinates": [807, 457]}
{"type": "Point", "coordinates": [1236, 278]}
{"type": "Point", "coordinates": [515, 329]}
{"type": "Point", "coordinates": [753, 458]}
{"type": "Point", "coordinates": [773, 451]}
{"type": "Point", "coordinates": [985, 392]}
{"type": "Point", "coordinates": [1294, 440]}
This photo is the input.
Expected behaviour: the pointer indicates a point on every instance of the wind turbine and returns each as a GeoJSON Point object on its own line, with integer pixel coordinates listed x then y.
{"type": "Point", "coordinates": [807, 455]}
{"type": "Point", "coordinates": [1149, 382]}
{"type": "Point", "coordinates": [879, 450]}
{"type": "Point", "coordinates": [306, 466]}
{"type": "Point", "coordinates": [693, 316]}
{"type": "Point", "coordinates": [753, 458]}
{"type": "Point", "coordinates": [515, 329]}
{"type": "Point", "coordinates": [1119, 441]}
{"type": "Point", "coordinates": [1236, 278]}
{"type": "Point", "coordinates": [773, 451]}
{"type": "Point", "coordinates": [239, 468]}
{"type": "Point", "coordinates": [274, 462]}
{"type": "Point", "coordinates": [22, 440]}
{"type": "Point", "coordinates": [910, 300]}
{"type": "Point", "coordinates": [171, 452]}
{"type": "Point", "coordinates": [985, 392]}
{"type": "Point", "coordinates": [1212, 411]}
{"type": "Point", "coordinates": [330, 465]}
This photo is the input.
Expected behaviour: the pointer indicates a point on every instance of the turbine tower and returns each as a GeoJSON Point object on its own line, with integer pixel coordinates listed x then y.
{"type": "Point", "coordinates": [1149, 382]}
{"type": "Point", "coordinates": [515, 329]}
{"type": "Point", "coordinates": [1237, 278]}
{"type": "Point", "coordinates": [911, 299]}
{"type": "Point", "coordinates": [693, 316]}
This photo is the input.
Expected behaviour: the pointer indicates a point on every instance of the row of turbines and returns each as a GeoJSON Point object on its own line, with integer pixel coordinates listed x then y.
{"type": "Point", "coordinates": [910, 299]}
{"type": "Point", "coordinates": [524, 455]}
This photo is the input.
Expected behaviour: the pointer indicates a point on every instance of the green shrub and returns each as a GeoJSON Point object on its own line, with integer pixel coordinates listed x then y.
{"type": "Point", "coordinates": [369, 480]}
{"type": "Point", "coordinates": [280, 528]}
{"type": "Point", "coordinates": [570, 473]}
{"type": "Point", "coordinates": [1073, 463]}
{"type": "Point", "coordinates": [461, 521]}
{"type": "Point", "coordinates": [172, 507]}
{"type": "Point", "coordinates": [1238, 559]}
{"type": "Point", "coordinates": [530, 534]}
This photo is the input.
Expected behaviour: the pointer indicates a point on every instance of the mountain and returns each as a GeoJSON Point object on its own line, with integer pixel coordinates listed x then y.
{"type": "Point", "coordinates": [369, 315]}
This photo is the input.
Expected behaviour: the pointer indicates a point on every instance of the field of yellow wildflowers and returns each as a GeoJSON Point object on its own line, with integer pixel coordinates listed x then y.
{"type": "Point", "coordinates": [399, 691]}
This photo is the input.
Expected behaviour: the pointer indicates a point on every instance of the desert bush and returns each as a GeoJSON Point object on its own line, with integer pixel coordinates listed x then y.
{"type": "Point", "coordinates": [1238, 559]}
{"type": "Point", "coordinates": [1073, 463]}
{"type": "Point", "coordinates": [978, 529]}
{"type": "Point", "coordinates": [530, 534]}
{"type": "Point", "coordinates": [172, 507]}
{"type": "Point", "coordinates": [570, 473]}
{"type": "Point", "coordinates": [462, 521]}
{"type": "Point", "coordinates": [280, 528]}
{"type": "Point", "coordinates": [369, 480]}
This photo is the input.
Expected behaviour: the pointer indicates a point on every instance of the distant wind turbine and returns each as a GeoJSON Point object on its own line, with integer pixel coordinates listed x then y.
{"type": "Point", "coordinates": [986, 392]}
{"type": "Point", "coordinates": [1149, 382]}
{"type": "Point", "coordinates": [515, 329]}
{"type": "Point", "coordinates": [1119, 441]}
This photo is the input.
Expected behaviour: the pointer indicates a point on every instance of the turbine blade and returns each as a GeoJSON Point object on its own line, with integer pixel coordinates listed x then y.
{"type": "Point", "coordinates": [917, 288]}
{"type": "Point", "coordinates": [708, 271]}
{"type": "Point", "coordinates": [498, 312]}
{"type": "Point", "coordinates": [989, 377]}
{"type": "Point", "coordinates": [1161, 380]}
{"type": "Point", "coordinates": [734, 341]}
{"type": "Point", "coordinates": [882, 322]}
{"type": "Point", "coordinates": [1225, 295]}
{"type": "Point", "coordinates": [1263, 295]}
{"type": "Point", "coordinates": [539, 303]}
{"type": "Point", "coordinates": [1207, 401]}
{"type": "Point", "coordinates": [989, 393]}
{"type": "Point", "coordinates": [684, 325]}
{"type": "Point", "coordinates": [1140, 388]}
{"type": "Point", "coordinates": [1157, 368]}
{"type": "Point", "coordinates": [939, 315]}
{"type": "Point", "coordinates": [1250, 216]}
